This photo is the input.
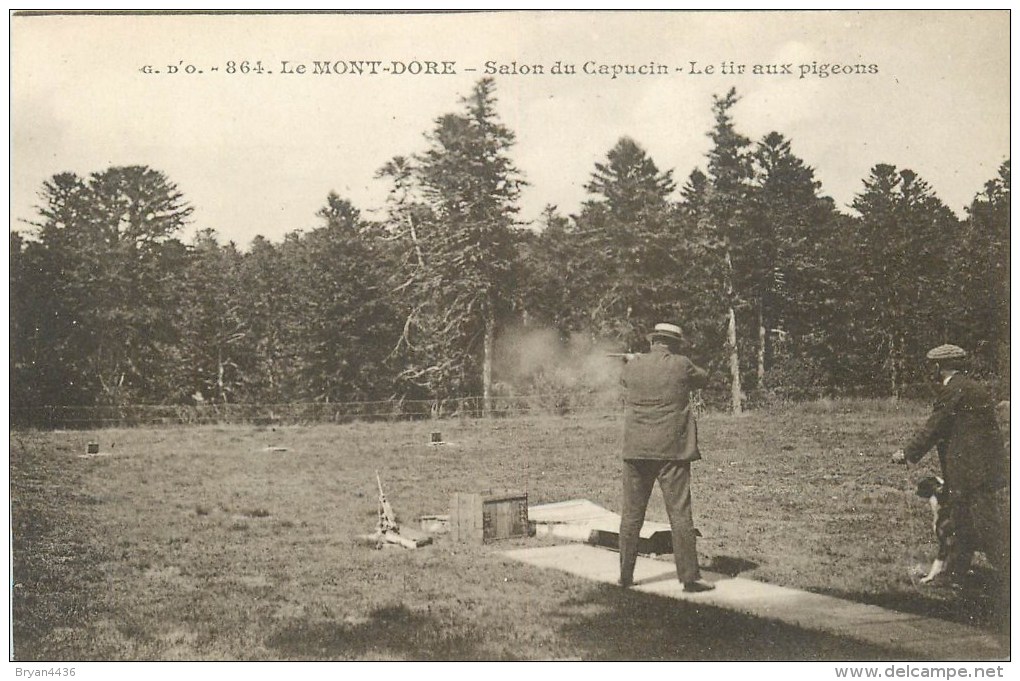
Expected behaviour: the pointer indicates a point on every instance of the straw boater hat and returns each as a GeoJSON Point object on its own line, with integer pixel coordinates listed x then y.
{"type": "Point", "coordinates": [666, 332]}
{"type": "Point", "coordinates": [946, 352]}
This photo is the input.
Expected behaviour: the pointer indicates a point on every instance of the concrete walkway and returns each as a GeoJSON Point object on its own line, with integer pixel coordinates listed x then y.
{"type": "Point", "coordinates": [923, 637]}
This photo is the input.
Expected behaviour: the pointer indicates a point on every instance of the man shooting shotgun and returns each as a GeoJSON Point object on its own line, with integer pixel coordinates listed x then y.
{"type": "Point", "coordinates": [660, 440]}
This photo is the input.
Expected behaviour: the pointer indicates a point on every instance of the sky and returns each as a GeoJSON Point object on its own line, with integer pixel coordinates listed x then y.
{"type": "Point", "coordinates": [257, 154]}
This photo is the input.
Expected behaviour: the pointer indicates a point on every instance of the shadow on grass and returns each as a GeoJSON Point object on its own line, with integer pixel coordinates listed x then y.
{"type": "Point", "coordinates": [55, 579]}
{"type": "Point", "coordinates": [634, 626]}
{"type": "Point", "coordinates": [395, 632]}
{"type": "Point", "coordinates": [607, 624]}
{"type": "Point", "coordinates": [979, 601]}
{"type": "Point", "coordinates": [729, 566]}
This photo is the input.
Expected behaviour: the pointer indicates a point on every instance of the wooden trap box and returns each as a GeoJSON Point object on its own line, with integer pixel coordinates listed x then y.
{"type": "Point", "coordinates": [488, 516]}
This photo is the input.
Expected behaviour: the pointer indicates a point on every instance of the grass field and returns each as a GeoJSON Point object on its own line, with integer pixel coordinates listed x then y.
{"type": "Point", "coordinates": [204, 544]}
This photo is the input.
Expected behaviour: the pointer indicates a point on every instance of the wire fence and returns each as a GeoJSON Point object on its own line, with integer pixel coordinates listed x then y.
{"type": "Point", "coordinates": [500, 406]}
{"type": "Point", "coordinates": [87, 417]}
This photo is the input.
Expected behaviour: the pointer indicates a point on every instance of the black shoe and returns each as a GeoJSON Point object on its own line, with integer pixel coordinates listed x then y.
{"type": "Point", "coordinates": [697, 587]}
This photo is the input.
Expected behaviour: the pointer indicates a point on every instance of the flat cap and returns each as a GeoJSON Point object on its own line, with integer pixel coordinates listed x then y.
{"type": "Point", "coordinates": [947, 352]}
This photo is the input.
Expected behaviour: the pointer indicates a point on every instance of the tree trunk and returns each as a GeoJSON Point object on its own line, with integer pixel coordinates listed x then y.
{"type": "Point", "coordinates": [219, 377]}
{"type": "Point", "coordinates": [731, 339]}
{"type": "Point", "coordinates": [762, 338]}
{"type": "Point", "coordinates": [893, 373]}
{"type": "Point", "coordinates": [490, 343]}
{"type": "Point", "coordinates": [414, 240]}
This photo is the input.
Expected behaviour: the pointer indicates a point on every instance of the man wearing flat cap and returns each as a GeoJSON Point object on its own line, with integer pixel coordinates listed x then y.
{"type": "Point", "coordinates": [660, 440]}
{"type": "Point", "coordinates": [964, 430]}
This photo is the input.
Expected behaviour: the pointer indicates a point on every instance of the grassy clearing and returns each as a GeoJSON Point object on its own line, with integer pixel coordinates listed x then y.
{"type": "Point", "coordinates": [204, 543]}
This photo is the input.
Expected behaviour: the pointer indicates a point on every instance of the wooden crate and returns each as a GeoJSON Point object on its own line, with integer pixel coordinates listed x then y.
{"type": "Point", "coordinates": [488, 516]}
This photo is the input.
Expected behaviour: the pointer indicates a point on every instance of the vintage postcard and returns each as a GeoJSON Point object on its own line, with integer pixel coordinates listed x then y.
{"type": "Point", "coordinates": [359, 336]}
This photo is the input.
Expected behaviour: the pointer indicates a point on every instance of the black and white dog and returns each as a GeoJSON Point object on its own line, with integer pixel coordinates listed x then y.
{"type": "Point", "coordinates": [932, 489]}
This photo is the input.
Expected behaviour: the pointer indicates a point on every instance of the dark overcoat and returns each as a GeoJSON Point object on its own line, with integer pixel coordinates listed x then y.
{"type": "Point", "coordinates": [659, 422]}
{"type": "Point", "coordinates": [964, 429]}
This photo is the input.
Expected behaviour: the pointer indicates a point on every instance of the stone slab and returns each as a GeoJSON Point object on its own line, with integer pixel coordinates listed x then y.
{"type": "Point", "coordinates": [587, 514]}
{"type": "Point", "coordinates": [585, 521]}
{"type": "Point", "coordinates": [924, 637]}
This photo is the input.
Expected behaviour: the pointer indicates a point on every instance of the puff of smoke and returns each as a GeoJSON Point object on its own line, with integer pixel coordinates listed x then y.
{"type": "Point", "coordinates": [538, 359]}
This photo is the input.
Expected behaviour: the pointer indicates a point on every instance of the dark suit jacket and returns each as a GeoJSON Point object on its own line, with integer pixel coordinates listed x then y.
{"type": "Point", "coordinates": [659, 423]}
{"type": "Point", "coordinates": [964, 428]}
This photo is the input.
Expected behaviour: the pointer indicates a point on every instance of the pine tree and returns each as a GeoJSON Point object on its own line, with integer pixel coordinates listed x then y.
{"type": "Point", "coordinates": [981, 260]}
{"type": "Point", "coordinates": [629, 265]}
{"type": "Point", "coordinates": [109, 257]}
{"type": "Point", "coordinates": [471, 185]}
{"type": "Point", "coordinates": [793, 222]}
{"type": "Point", "coordinates": [344, 322]}
{"type": "Point", "coordinates": [548, 265]}
{"type": "Point", "coordinates": [270, 306]}
{"type": "Point", "coordinates": [726, 224]}
{"type": "Point", "coordinates": [212, 355]}
{"type": "Point", "coordinates": [900, 295]}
